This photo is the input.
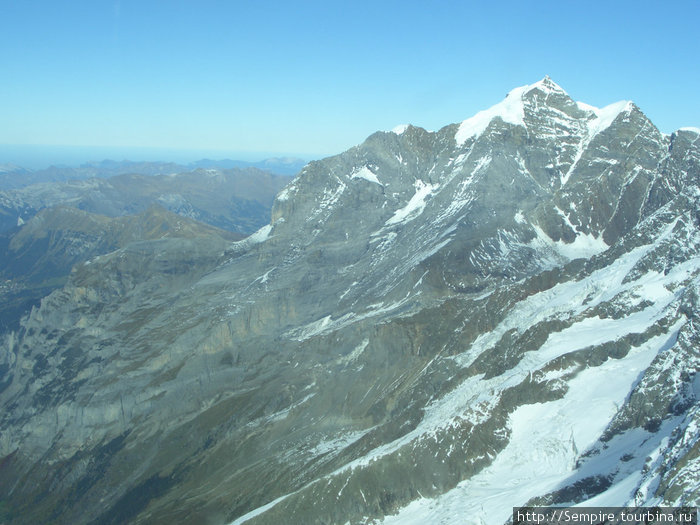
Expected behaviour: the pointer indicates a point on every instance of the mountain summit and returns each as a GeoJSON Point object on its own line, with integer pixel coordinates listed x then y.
{"type": "Point", "coordinates": [433, 325]}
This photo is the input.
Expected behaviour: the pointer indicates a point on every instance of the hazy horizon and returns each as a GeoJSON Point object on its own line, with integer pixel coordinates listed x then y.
{"type": "Point", "coordinates": [37, 157]}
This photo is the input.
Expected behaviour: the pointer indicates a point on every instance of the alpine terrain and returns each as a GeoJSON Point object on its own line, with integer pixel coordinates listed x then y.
{"type": "Point", "coordinates": [47, 228]}
{"type": "Point", "coordinates": [434, 327]}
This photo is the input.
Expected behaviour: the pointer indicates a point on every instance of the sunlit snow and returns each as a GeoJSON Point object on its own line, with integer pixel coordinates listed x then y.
{"type": "Point", "coordinates": [509, 110]}
{"type": "Point", "coordinates": [365, 173]}
{"type": "Point", "coordinates": [258, 237]}
{"type": "Point", "coordinates": [545, 441]}
{"type": "Point", "coordinates": [585, 245]}
{"type": "Point", "coordinates": [415, 206]}
{"type": "Point", "coordinates": [400, 129]}
{"type": "Point", "coordinates": [261, 235]}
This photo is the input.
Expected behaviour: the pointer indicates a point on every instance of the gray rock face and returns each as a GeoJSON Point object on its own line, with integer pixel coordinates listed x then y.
{"type": "Point", "coordinates": [433, 325]}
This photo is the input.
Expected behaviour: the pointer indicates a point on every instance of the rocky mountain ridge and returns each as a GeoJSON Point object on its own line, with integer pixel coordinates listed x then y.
{"type": "Point", "coordinates": [39, 257]}
{"type": "Point", "coordinates": [434, 325]}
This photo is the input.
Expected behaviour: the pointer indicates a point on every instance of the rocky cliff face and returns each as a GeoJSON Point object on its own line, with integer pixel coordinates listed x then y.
{"type": "Point", "coordinates": [434, 325]}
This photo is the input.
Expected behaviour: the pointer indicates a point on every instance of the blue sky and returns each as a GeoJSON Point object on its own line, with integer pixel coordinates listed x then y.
{"type": "Point", "coordinates": [315, 78]}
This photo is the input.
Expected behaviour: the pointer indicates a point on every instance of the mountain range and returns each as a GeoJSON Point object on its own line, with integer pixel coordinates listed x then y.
{"type": "Point", "coordinates": [236, 199]}
{"type": "Point", "coordinates": [433, 327]}
{"type": "Point", "coordinates": [15, 177]}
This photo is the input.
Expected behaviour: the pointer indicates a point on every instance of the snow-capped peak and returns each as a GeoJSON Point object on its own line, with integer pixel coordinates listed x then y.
{"type": "Point", "coordinates": [605, 116]}
{"type": "Point", "coordinates": [400, 129]}
{"type": "Point", "coordinates": [546, 85]}
{"type": "Point", "coordinates": [510, 109]}
{"type": "Point", "coordinates": [602, 119]}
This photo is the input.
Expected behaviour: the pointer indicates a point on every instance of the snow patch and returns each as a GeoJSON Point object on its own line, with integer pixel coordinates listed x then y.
{"type": "Point", "coordinates": [606, 116]}
{"type": "Point", "coordinates": [331, 196]}
{"type": "Point", "coordinates": [585, 245]}
{"type": "Point", "coordinates": [315, 328]}
{"type": "Point", "coordinates": [265, 277]}
{"type": "Point", "coordinates": [327, 324]}
{"type": "Point", "coordinates": [338, 443]}
{"type": "Point", "coordinates": [256, 512]}
{"type": "Point", "coordinates": [287, 192]}
{"type": "Point", "coordinates": [352, 356]}
{"type": "Point", "coordinates": [365, 173]}
{"type": "Point", "coordinates": [258, 237]}
{"type": "Point", "coordinates": [261, 235]}
{"type": "Point", "coordinates": [415, 206]}
{"type": "Point", "coordinates": [400, 129]}
{"type": "Point", "coordinates": [510, 110]}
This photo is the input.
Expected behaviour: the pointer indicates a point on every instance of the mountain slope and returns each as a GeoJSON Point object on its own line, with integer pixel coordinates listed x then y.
{"type": "Point", "coordinates": [39, 256]}
{"type": "Point", "coordinates": [498, 312]}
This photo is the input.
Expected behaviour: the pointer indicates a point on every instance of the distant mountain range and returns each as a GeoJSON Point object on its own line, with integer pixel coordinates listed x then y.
{"type": "Point", "coordinates": [238, 200]}
{"type": "Point", "coordinates": [14, 177]}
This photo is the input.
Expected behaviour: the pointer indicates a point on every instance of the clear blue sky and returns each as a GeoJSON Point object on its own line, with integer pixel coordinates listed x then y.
{"type": "Point", "coordinates": [314, 78]}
